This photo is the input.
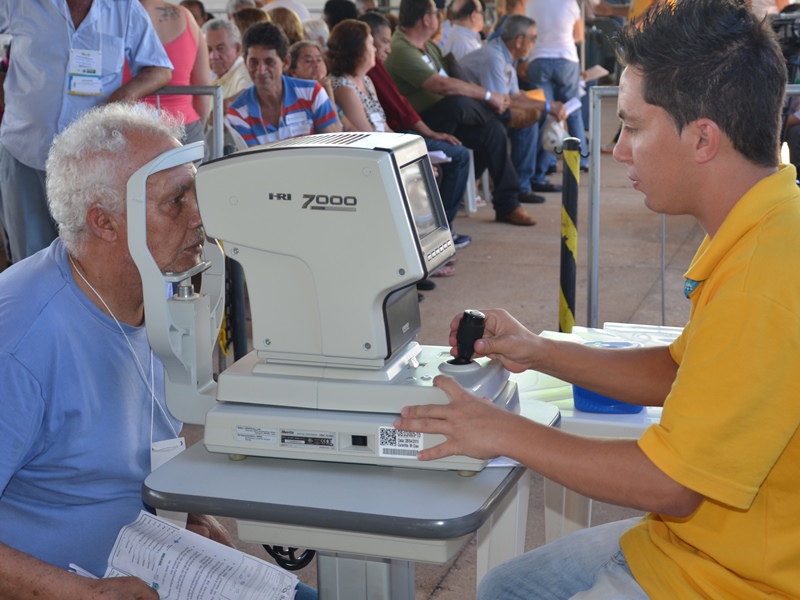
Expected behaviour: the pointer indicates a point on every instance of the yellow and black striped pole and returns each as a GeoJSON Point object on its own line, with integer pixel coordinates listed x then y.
{"type": "Point", "coordinates": [569, 233]}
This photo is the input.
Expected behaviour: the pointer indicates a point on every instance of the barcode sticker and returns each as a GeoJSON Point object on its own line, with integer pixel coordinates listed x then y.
{"type": "Point", "coordinates": [398, 443]}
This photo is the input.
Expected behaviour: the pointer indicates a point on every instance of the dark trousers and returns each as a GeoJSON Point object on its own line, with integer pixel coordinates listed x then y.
{"type": "Point", "coordinates": [480, 130]}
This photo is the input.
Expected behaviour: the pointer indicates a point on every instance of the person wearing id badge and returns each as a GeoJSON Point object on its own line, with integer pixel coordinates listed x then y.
{"type": "Point", "coordinates": [84, 418]}
{"type": "Point", "coordinates": [277, 107]}
{"type": "Point", "coordinates": [68, 57]}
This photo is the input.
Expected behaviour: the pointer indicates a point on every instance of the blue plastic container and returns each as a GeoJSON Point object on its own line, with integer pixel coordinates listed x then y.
{"type": "Point", "coordinates": [587, 401]}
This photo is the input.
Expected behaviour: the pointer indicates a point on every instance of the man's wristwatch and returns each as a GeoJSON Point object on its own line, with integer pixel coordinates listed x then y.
{"type": "Point", "coordinates": [488, 95]}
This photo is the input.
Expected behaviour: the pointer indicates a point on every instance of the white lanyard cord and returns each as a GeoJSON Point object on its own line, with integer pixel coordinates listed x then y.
{"type": "Point", "coordinates": [68, 21]}
{"type": "Point", "coordinates": [151, 384]}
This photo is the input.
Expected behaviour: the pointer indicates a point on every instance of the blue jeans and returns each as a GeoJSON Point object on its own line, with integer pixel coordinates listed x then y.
{"type": "Point", "coordinates": [560, 81]}
{"type": "Point", "coordinates": [587, 564]}
{"type": "Point", "coordinates": [304, 592]}
{"type": "Point", "coordinates": [454, 175]}
{"type": "Point", "coordinates": [529, 159]}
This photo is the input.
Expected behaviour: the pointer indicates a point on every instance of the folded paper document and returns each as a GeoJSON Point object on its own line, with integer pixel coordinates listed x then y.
{"type": "Point", "coordinates": [182, 565]}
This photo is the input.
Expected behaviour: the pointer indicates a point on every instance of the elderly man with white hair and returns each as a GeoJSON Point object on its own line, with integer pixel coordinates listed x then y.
{"type": "Point", "coordinates": [83, 394]}
{"type": "Point", "coordinates": [224, 42]}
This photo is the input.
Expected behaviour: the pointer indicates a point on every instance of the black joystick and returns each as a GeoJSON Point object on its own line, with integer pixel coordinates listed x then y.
{"type": "Point", "coordinates": [469, 330]}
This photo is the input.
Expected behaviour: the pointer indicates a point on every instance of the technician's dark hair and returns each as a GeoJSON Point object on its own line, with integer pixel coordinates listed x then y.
{"type": "Point", "coordinates": [412, 11]}
{"type": "Point", "coordinates": [267, 35]}
{"type": "Point", "coordinates": [346, 46]}
{"type": "Point", "coordinates": [375, 20]}
{"type": "Point", "coordinates": [711, 59]}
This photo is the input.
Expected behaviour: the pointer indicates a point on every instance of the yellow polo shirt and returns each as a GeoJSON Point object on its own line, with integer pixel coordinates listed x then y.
{"type": "Point", "coordinates": [729, 429]}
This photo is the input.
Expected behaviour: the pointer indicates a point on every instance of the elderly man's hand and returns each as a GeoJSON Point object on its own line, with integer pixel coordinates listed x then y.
{"type": "Point", "coordinates": [209, 527]}
{"type": "Point", "coordinates": [558, 110]}
{"type": "Point", "coordinates": [499, 102]}
{"type": "Point", "coordinates": [119, 588]}
{"type": "Point", "coordinates": [445, 137]}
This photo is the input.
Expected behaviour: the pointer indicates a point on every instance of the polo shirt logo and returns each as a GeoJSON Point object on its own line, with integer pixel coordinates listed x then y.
{"type": "Point", "coordinates": [689, 286]}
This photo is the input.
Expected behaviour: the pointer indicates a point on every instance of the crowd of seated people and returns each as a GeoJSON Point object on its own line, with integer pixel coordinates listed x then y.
{"type": "Point", "coordinates": [401, 73]}
{"type": "Point", "coordinates": [460, 86]}
{"type": "Point", "coordinates": [272, 61]}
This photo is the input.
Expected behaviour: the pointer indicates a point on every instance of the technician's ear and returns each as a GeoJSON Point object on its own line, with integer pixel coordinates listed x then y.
{"type": "Point", "coordinates": [102, 224]}
{"type": "Point", "coordinates": [287, 62]}
{"type": "Point", "coordinates": [707, 139]}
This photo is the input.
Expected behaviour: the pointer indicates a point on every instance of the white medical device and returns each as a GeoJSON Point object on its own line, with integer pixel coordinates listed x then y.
{"type": "Point", "coordinates": [332, 232]}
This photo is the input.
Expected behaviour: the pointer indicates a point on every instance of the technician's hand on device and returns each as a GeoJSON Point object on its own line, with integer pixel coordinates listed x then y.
{"type": "Point", "coordinates": [471, 425]}
{"type": "Point", "coordinates": [505, 339]}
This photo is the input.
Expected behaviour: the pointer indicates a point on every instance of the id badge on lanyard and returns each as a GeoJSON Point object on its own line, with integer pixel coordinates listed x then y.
{"type": "Point", "coordinates": [161, 452]}
{"type": "Point", "coordinates": [85, 72]}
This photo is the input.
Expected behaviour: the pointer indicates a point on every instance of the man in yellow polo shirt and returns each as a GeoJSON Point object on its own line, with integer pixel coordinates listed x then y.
{"type": "Point", "coordinates": [719, 477]}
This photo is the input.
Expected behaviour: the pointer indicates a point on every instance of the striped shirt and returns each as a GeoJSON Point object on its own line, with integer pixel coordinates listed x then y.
{"type": "Point", "coordinates": [306, 110]}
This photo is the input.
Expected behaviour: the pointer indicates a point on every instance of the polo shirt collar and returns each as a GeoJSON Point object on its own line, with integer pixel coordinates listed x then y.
{"type": "Point", "coordinates": [751, 208]}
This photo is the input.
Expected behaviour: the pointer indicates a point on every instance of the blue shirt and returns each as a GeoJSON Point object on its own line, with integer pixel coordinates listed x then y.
{"type": "Point", "coordinates": [306, 110]}
{"type": "Point", "coordinates": [491, 67]}
{"type": "Point", "coordinates": [75, 414]}
{"type": "Point", "coordinates": [37, 103]}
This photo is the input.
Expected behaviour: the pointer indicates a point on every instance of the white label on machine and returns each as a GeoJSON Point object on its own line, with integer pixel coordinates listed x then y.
{"type": "Point", "coordinates": [312, 440]}
{"type": "Point", "coordinates": [398, 443]}
{"type": "Point", "coordinates": [246, 433]}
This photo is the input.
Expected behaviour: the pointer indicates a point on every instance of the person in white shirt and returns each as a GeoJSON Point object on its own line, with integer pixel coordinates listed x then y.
{"type": "Point", "coordinates": [554, 66]}
{"type": "Point", "coordinates": [762, 8]}
{"type": "Point", "coordinates": [464, 36]}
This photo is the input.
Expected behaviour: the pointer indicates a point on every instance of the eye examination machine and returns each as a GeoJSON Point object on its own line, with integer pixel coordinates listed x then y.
{"type": "Point", "coordinates": [332, 232]}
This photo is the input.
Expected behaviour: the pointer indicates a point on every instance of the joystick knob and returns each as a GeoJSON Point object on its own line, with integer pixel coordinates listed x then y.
{"type": "Point", "coordinates": [469, 330]}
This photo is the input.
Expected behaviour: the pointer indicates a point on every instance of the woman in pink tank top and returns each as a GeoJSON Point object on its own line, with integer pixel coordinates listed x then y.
{"type": "Point", "coordinates": [186, 48]}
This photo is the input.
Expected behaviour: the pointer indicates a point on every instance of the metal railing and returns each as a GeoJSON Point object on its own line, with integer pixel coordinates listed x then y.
{"type": "Point", "coordinates": [215, 92]}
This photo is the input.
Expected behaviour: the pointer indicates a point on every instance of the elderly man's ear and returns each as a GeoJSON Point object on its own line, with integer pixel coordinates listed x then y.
{"type": "Point", "coordinates": [102, 224]}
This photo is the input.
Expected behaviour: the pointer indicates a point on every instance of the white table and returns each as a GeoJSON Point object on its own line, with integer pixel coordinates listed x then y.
{"type": "Point", "coordinates": [369, 523]}
{"type": "Point", "coordinates": [567, 511]}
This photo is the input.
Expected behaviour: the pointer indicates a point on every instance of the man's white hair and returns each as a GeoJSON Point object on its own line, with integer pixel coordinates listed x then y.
{"type": "Point", "coordinates": [234, 35]}
{"type": "Point", "coordinates": [85, 160]}
{"type": "Point", "coordinates": [316, 30]}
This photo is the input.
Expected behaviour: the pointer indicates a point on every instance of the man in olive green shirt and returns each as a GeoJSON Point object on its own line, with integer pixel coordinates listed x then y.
{"type": "Point", "coordinates": [470, 112]}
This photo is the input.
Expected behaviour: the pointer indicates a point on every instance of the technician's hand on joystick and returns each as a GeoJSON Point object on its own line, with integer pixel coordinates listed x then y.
{"type": "Point", "coordinates": [470, 329]}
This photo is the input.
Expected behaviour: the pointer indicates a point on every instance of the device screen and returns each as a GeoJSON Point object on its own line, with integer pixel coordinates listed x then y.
{"type": "Point", "coordinates": [419, 198]}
